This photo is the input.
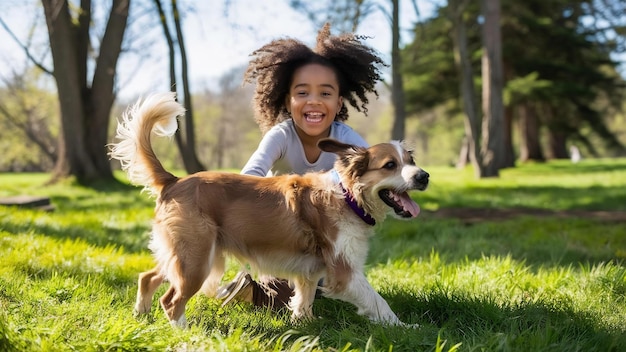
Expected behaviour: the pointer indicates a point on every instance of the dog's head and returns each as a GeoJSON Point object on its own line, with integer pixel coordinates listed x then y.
{"type": "Point", "coordinates": [379, 177]}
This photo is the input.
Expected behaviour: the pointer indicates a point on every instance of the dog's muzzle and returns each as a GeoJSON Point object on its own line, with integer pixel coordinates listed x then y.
{"type": "Point", "coordinates": [421, 180]}
{"type": "Point", "coordinates": [400, 201]}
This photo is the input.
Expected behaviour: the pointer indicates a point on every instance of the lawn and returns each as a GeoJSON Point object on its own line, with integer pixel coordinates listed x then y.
{"type": "Point", "coordinates": [549, 282]}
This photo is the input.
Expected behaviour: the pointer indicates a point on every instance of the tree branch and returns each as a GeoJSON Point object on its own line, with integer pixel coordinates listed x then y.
{"type": "Point", "coordinates": [26, 51]}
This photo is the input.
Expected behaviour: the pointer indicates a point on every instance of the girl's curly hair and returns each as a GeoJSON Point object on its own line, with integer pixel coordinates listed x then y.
{"type": "Point", "coordinates": [272, 66]}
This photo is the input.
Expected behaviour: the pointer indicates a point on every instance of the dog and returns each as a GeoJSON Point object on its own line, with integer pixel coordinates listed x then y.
{"type": "Point", "coordinates": [299, 227]}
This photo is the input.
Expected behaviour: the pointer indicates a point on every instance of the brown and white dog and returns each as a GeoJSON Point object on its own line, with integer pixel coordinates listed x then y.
{"type": "Point", "coordinates": [299, 227]}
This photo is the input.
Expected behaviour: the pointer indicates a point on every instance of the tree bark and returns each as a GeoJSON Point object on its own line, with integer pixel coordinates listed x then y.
{"type": "Point", "coordinates": [530, 144]}
{"type": "Point", "coordinates": [492, 148]}
{"type": "Point", "coordinates": [557, 142]}
{"type": "Point", "coordinates": [190, 158]}
{"type": "Point", "coordinates": [397, 86]}
{"type": "Point", "coordinates": [508, 153]}
{"type": "Point", "coordinates": [102, 96]}
{"type": "Point", "coordinates": [466, 83]}
{"type": "Point", "coordinates": [63, 45]}
{"type": "Point", "coordinates": [172, 57]}
{"type": "Point", "coordinates": [184, 140]}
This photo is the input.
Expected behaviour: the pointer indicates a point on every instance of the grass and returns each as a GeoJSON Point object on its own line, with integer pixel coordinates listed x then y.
{"type": "Point", "coordinates": [68, 278]}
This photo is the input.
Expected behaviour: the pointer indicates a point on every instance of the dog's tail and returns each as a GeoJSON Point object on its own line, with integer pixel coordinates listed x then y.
{"type": "Point", "coordinates": [156, 113]}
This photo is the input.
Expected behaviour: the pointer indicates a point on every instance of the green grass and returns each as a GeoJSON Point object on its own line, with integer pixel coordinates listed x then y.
{"type": "Point", "coordinates": [68, 278]}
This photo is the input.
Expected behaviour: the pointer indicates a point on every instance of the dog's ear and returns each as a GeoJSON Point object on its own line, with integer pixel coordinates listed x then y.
{"type": "Point", "coordinates": [331, 145]}
{"type": "Point", "coordinates": [350, 157]}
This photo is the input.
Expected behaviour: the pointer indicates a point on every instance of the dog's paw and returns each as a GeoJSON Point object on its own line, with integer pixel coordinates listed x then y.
{"type": "Point", "coordinates": [393, 320]}
{"type": "Point", "coordinates": [181, 323]}
{"type": "Point", "coordinates": [305, 317]}
{"type": "Point", "coordinates": [141, 309]}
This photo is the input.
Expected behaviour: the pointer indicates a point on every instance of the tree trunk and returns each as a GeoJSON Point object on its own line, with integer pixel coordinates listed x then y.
{"type": "Point", "coordinates": [84, 110]}
{"type": "Point", "coordinates": [509, 153]}
{"type": "Point", "coordinates": [530, 144]}
{"type": "Point", "coordinates": [190, 158]}
{"type": "Point", "coordinates": [557, 141]}
{"type": "Point", "coordinates": [397, 87]}
{"type": "Point", "coordinates": [63, 45]}
{"type": "Point", "coordinates": [492, 148]}
{"type": "Point", "coordinates": [468, 94]}
{"type": "Point", "coordinates": [172, 56]}
{"type": "Point", "coordinates": [184, 140]}
{"type": "Point", "coordinates": [100, 101]}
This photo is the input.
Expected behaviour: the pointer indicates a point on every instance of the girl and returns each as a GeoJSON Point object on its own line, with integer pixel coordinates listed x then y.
{"type": "Point", "coordinates": [299, 99]}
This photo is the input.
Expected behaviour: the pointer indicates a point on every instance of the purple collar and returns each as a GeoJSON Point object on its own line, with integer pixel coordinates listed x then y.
{"type": "Point", "coordinates": [356, 208]}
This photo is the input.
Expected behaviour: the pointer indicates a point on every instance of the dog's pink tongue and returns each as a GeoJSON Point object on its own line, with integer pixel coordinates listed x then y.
{"type": "Point", "coordinates": [409, 204]}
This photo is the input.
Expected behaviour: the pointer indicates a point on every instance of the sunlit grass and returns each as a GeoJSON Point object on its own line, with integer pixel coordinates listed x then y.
{"type": "Point", "coordinates": [68, 277]}
{"type": "Point", "coordinates": [557, 185]}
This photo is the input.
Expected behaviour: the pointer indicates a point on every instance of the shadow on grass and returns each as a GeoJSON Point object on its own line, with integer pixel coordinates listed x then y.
{"type": "Point", "coordinates": [477, 323]}
{"type": "Point", "coordinates": [131, 239]}
{"type": "Point", "coordinates": [483, 323]}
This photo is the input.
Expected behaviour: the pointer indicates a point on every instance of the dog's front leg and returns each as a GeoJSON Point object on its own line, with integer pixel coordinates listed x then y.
{"type": "Point", "coordinates": [359, 292]}
{"type": "Point", "coordinates": [301, 303]}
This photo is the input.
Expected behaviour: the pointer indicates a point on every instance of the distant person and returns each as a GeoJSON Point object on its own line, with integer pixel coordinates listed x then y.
{"type": "Point", "coordinates": [300, 98]}
{"type": "Point", "coordinates": [575, 154]}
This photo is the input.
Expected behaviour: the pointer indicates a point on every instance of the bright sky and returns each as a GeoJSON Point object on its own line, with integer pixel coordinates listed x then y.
{"type": "Point", "coordinates": [214, 46]}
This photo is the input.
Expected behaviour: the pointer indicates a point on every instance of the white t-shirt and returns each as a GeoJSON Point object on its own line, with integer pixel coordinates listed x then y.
{"type": "Point", "coordinates": [281, 151]}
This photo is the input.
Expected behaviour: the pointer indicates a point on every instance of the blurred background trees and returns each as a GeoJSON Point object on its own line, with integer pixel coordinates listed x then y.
{"type": "Point", "coordinates": [561, 81]}
{"type": "Point", "coordinates": [560, 84]}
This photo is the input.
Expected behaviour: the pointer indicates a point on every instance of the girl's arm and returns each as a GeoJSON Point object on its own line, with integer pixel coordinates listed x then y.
{"type": "Point", "coordinates": [270, 149]}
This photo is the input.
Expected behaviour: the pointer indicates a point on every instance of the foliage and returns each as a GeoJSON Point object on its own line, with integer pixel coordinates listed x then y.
{"type": "Point", "coordinates": [29, 123]}
{"type": "Point", "coordinates": [67, 279]}
{"type": "Point", "coordinates": [430, 76]}
{"type": "Point", "coordinates": [555, 59]}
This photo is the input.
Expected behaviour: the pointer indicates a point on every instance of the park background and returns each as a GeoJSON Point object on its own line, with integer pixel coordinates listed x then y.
{"type": "Point", "coordinates": [560, 84]}
{"type": "Point", "coordinates": [520, 251]}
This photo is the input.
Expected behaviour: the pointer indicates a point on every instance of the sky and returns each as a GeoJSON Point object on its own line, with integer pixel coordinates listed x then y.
{"type": "Point", "coordinates": [216, 43]}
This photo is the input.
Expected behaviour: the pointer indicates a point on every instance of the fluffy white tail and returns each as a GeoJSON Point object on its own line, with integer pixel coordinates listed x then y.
{"type": "Point", "coordinates": [157, 113]}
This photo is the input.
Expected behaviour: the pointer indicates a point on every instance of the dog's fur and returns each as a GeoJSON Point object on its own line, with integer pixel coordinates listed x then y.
{"type": "Point", "coordinates": [291, 226]}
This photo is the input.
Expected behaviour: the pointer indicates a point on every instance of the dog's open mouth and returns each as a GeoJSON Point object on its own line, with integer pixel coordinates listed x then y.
{"type": "Point", "coordinates": [401, 203]}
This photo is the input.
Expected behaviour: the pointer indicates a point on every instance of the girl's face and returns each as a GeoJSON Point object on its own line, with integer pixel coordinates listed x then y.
{"type": "Point", "coordinates": [314, 100]}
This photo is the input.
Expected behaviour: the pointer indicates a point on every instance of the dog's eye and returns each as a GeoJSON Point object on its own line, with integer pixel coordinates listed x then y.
{"type": "Point", "coordinates": [390, 165]}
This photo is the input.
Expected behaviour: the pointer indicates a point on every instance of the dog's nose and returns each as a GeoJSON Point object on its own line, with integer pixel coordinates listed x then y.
{"type": "Point", "coordinates": [422, 177]}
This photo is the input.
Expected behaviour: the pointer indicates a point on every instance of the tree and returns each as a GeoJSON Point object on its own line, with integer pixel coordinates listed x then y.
{"type": "Point", "coordinates": [472, 124]}
{"type": "Point", "coordinates": [85, 101]}
{"type": "Point", "coordinates": [565, 72]}
{"type": "Point", "coordinates": [561, 86]}
{"type": "Point", "coordinates": [186, 141]}
{"type": "Point", "coordinates": [398, 129]}
{"type": "Point", "coordinates": [492, 148]}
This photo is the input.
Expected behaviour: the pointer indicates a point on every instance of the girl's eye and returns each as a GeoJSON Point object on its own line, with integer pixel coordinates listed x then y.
{"type": "Point", "coordinates": [390, 165]}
